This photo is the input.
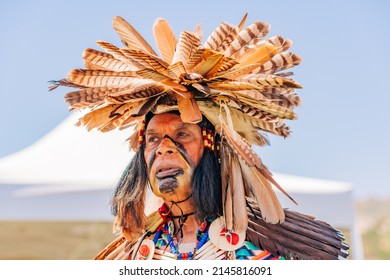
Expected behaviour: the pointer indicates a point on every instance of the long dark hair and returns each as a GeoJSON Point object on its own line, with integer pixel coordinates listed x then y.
{"type": "Point", "coordinates": [128, 202]}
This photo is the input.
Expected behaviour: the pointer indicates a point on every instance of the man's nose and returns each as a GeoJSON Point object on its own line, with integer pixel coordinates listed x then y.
{"type": "Point", "coordinates": [166, 147]}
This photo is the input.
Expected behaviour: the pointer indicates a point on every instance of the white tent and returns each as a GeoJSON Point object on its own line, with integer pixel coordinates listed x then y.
{"type": "Point", "coordinates": [70, 160]}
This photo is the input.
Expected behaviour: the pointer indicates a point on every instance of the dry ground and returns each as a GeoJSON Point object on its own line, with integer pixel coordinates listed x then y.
{"type": "Point", "coordinates": [53, 240]}
{"type": "Point", "coordinates": [83, 240]}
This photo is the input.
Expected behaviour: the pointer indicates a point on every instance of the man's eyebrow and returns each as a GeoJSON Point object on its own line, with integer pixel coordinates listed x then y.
{"type": "Point", "coordinates": [178, 127]}
{"type": "Point", "coordinates": [183, 126]}
{"type": "Point", "coordinates": [151, 131]}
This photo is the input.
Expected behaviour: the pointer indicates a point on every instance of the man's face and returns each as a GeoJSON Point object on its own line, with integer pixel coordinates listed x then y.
{"type": "Point", "coordinates": [173, 149]}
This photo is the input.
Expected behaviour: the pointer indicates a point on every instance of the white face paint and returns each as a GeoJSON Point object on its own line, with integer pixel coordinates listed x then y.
{"type": "Point", "coordinates": [173, 149]}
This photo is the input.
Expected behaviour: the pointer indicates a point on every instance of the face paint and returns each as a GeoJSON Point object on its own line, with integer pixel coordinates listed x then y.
{"type": "Point", "coordinates": [171, 176]}
{"type": "Point", "coordinates": [172, 151]}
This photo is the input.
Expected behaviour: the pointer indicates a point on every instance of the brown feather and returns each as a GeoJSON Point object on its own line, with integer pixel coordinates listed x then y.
{"type": "Point", "coordinates": [240, 217]}
{"type": "Point", "coordinates": [96, 60]}
{"type": "Point", "coordinates": [130, 36]}
{"type": "Point", "coordinates": [101, 78]}
{"type": "Point", "coordinates": [220, 39]}
{"type": "Point", "coordinates": [257, 54]}
{"type": "Point", "coordinates": [186, 49]}
{"type": "Point", "coordinates": [165, 39]}
{"type": "Point", "coordinates": [269, 81]}
{"type": "Point", "coordinates": [175, 71]}
{"type": "Point", "coordinates": [118, 54]}
{"type": "Point", "coordinates": [279, 62]}
{"type": "Point", "coordinates": [264, 195]}
{"type": "Point", "coordinates": [246, 37]}
{"type": "Point", "coordinates": [228, 209]}
{"type": "Point", "coordinates": [209, 60]}
{"type": "Point", "coordinates": [189, 109]}
{"type": "Point", "coordinates": [147, 60]}
{"type": "Point", "coordinates": [139, 93]}
{"type": "Point", "coordinates": [242, 22]}
{"type": "Point", "coordinates": [298, 237]}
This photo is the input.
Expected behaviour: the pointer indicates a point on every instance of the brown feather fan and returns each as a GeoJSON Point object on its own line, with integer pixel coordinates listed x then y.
{"type": "Point", "coordinates": [298, 237]}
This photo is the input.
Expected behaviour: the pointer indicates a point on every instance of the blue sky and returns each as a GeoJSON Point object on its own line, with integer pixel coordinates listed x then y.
{"type": "Point", "coordinates": [343, 128]}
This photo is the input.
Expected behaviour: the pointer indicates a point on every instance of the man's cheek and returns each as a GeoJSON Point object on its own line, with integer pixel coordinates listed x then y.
{"type": "Point", "coordinates": [154, 183]}
{"type": "Point", "coordinates": [155, 188]}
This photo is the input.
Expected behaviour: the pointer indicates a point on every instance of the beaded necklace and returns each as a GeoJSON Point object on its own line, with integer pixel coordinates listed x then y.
{"type": "Point", "coordinates": [165, 232]}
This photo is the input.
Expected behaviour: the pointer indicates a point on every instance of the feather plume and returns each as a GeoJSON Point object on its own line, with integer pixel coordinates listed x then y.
{"type": "Point", "coordinates": [245, 38]}
{"type": "Point", "coordinates": [189, 109]}
{"type": "Point", "coordinates": [228, 209]}
{"type": "Point", "coordinates": [198, 31]}
{"type": "Point", "coordinates": [257, 54]}
{"type": "Point", "coordinates": [221, 37]}
{"type": "Point", "coordinates": [147, 60]}
{"type": "Point", "coordinates": [130, 36]}
{"type": "Point", "coordinates": [101, 78]}
{"type": "Point", "coordinates": [257, 100]}
{"type": "Point", "coordinates": [225, 181]}
{"type": "Point", "coordinates": [96, 60]}
{"type": "Point", "coordinates": [298, 237]}
{"type": "Point", "coordinates": [261, 190]}
{"type": "Point", "coordinates": [279, 62]}
{"type": "Point", "coordinates": [176, 70]}
{"type": "Point", "coordinates": [165, 39]}
{"type": "Point", "coordinates": [269, 81]}
{"type": "Point", "coordinates": [242, 22]}
{"type": "Point", "coordinates": [118, 54]}
{"type": "Point", "coordinates": [240, 217]}
{"type": "Point", "coordinates": [87, 97]}
{"type": "Point", "coordinates": [139, 93]}
{"type": "Point", "coordinates": [186, 48]}
{"type": "Point", "coordinates": [209, 61]}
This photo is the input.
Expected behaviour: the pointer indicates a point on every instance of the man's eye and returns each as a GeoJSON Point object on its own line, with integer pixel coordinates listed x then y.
{"type": "Point", "coordinates": [153, 139]}
{"type": "Point", "coordinates": [181, 134]}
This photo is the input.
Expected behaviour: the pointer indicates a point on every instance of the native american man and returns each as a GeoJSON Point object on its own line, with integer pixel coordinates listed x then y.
{"type": "Point", "coordinates": [196, 112]}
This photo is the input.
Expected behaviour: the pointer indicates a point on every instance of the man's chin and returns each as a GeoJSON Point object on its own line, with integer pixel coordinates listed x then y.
{"type": "Point", "coordinates": [168, 185]}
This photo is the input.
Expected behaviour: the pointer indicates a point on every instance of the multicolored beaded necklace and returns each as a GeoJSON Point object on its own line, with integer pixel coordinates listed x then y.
{"type": "Point", "coordinates": [164, 237]}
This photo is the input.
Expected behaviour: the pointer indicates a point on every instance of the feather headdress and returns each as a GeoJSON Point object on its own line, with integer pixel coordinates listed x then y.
{"type": "Point", "coordinates": [235, 79]}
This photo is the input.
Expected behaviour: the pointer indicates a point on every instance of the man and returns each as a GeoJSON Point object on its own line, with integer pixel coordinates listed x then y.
{"type": "Point", "coordinates": [196, 113]}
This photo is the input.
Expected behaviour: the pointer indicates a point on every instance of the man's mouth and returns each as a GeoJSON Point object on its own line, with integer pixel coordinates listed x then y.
{"type": "Point", "coordinates": [168, 172]}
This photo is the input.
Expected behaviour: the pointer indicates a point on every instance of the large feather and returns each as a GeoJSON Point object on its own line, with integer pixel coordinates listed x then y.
{"type": "Point", "coordinates": [118, 54]}
{"type": "Point", "coordinates": [257, 54]}
{"type": "Point", "coordinates": [261, 190]}
{"type": "Point", "coordinates": [189, 109]}
{"type": "Point", "coordinates": [279, 62]}
{"type": "Point", "coordinates": [139, 93]}
{"type": "Point", "coordinates": [210, 60]}
{"type": "Point", "coordinates": [177, 70]}
{"type": "Point", "coordinates": [97, 117]}
{"type": "Point", "coordinates": [96, 60]}
{"type": "Point", "coordinates": [242, 129]}
{"type": "Point", "coordinates": [221, 37]}
{"type": "Point", "coordinates": [256, 99]}
{"type": "Point", "coordinates": [228, 209]}
{"type": "Point", "coordinates": [101, 78]}
{"type": "Point", "coordinates": [147, 60]}
{"type": "Point", "coordinates": [240, 217]}
{"type": "Point", "coordinates": [245, 38]}
{"type": "Point", "coordinates": [165, 39]}
{"type": "Point", "coordinates": [269, 81]}
{"type": "Point", "coordinates": [87, 97]}
{"type": "Point", "coordinates": [298, 237]}
{"type": "Point", "coordinates": [186, 49]}
{"type": "Point", "coordinates": [130, 36]}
